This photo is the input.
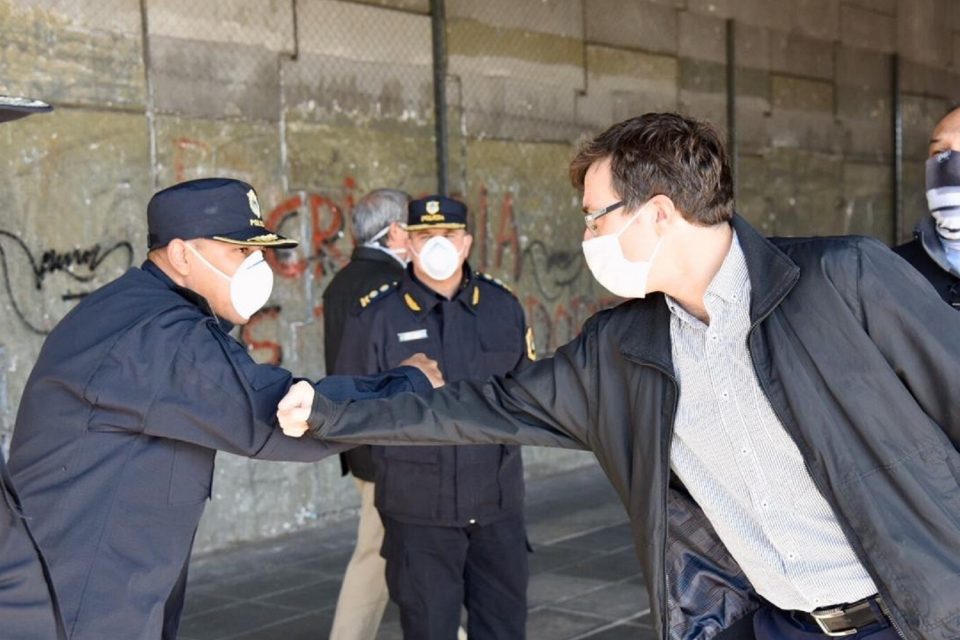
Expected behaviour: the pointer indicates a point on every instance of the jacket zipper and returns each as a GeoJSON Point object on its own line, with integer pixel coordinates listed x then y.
{"type": "Point", "coordinates": [845, 527]}
{"type": "Point", "coordinates": [664, 614]}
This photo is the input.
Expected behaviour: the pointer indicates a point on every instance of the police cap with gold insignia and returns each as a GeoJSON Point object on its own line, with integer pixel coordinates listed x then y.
{"type": "Point", "coordinates": [436, 212]}
{"type": "Point", "coordinates": [217, 208]}
{"type": "Point", "coordinates": [12, 107]}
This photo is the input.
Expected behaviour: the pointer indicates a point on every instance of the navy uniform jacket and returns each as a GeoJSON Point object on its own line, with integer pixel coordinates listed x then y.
{"type": "Point", "coordinates": [927, 256]}
{"type": "Point", "coordinates": [368, 268]}
{"type": "Point", "coordinates": [28, 608]}
{"type": "Point", "coordinates": [113, 450]}
{"type": "Point", "coordinates": [479, 333]}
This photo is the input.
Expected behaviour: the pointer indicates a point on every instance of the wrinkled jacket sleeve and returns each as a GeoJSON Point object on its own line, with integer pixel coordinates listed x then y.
{"type": "Point", "coordinates": [918, 333]}
{"type": "Point", "coordinates": [548, 403]}
{"type": "Point", "coordinates": [218, 397]}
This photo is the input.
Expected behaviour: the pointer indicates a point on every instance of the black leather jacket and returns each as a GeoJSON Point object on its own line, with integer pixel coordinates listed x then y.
{"type": "Point", "coordinates": [860, 360]}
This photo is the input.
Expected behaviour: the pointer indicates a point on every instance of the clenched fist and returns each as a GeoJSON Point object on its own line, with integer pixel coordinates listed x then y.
{"type": "Point", "coordinates": [294, 409]}
{"type": "Point", "coordinates": [429, 367]}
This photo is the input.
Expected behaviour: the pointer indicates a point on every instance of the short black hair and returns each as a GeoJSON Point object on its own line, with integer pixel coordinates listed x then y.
{"type": "Point", "coordinates": [664, 153]}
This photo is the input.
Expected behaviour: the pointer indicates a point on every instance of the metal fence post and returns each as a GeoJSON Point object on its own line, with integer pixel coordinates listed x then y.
{"type": "Point", "coordinates": [439, 25]}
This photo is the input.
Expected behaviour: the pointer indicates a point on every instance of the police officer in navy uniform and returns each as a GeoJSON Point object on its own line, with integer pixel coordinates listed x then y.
{"type": "Point", "coordinates": [28, 603]}
{"type": "Point", "coordinates": [453, 516]}
{"type": "Point", "coordinates": [132, 395]}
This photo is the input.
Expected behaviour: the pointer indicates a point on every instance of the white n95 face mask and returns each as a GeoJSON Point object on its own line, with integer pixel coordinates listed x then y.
{"type": "Point", "coordinates": [610, 267]}
{"type": "Point", "coordinates": [439, 258]}
{"type": "Point", "coordinates": [250, 286]}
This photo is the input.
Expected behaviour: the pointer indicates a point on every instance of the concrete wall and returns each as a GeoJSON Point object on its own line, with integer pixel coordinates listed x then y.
{"type": "Point", "coordinates": [317, 101]}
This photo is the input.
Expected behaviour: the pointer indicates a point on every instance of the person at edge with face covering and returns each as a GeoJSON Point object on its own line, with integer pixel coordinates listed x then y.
{"type": "Point", "coordinates": [777, 415]}
{"type": "Point", "coordinates": [28, 601]}
{"type": "Point", "coordinates": [935, 250]}
{"type": "Point", "coordinates": [133, 394]}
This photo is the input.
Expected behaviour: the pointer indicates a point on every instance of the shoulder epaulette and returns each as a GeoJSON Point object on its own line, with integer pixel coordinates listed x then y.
{"type": "Point", "coordinates": [495, 281]}
{"type": "Point", "coordinates": [379, 293]}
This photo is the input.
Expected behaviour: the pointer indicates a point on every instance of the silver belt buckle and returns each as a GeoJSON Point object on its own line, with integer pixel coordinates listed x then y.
{"type": "Point", "coordinates": [830, 614]}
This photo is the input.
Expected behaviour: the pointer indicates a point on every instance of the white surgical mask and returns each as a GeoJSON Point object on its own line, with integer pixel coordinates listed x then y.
{"type": "Point", "coordinates": [610, 267]}
{"type": "Point", "coordinates": [251, 284]}
{"type": "Point", "coordinates": [439, 258]}
{"type": "Point", "coordinates": [400, 255]}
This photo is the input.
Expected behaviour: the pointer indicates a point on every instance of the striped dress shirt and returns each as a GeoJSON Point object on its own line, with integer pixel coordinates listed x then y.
{"type": "Point", "coordinates": [743, 468]}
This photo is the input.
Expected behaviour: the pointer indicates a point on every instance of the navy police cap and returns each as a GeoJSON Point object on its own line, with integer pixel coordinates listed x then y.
{"type": "Point", "coordinates": [217, 208]}
{"type": "Point", "coordinates": [436, 212]}
{"type": "Point", "coordinates": [12, 107]}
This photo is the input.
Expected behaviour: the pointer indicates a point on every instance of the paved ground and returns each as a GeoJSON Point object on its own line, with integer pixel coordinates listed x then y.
{"type": "Point", "coordinates": [584, 584]}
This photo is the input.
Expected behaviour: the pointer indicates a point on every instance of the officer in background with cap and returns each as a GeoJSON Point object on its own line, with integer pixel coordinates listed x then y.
{"type": "Point", "coordinates": [453, 516]}
{"type": "Point", "coordinates": [132, 395]}
{"type": "Point", "coordinates": [376, 223]}
{"type": "Point", "coordinates": [28, 602]}
{"type": "Point", "coordinates": [935, 250]}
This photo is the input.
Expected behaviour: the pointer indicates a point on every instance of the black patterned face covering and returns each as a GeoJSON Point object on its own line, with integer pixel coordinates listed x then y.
{"type": "Point", "coordinates": [943, 196]}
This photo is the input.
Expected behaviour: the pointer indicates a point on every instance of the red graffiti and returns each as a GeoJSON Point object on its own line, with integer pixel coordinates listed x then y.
{"type": "Point", "coordinates": [182, 146]}
{"type": "Point", "coordinates": [273, 351]}
{"type": "Point", "coordinates": [326, 223]}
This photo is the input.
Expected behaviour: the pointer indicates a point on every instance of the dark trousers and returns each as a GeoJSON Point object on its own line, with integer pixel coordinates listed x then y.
{"type": "Point", "coordinates": [432, 571]}
{"type": "Point", "coordinates": [772, 624]}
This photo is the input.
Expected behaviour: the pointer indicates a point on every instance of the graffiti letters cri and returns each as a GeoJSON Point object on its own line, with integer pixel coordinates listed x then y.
{"type": "Point", "coordinates": [79, 265]}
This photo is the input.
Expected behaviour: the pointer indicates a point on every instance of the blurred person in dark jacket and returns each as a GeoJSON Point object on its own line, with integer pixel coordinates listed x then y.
{"type": "Point", "coordinates": [376, 224]}
{"type": "Point", "coordinates": [935, 249]}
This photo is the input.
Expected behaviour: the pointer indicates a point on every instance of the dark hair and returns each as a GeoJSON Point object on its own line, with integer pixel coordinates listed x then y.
{"type": "Point", "coordinates": [664, 153]}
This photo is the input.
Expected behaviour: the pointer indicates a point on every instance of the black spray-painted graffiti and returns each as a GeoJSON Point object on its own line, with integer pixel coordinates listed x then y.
{"type": "Point", "coordinates": [80, 265]}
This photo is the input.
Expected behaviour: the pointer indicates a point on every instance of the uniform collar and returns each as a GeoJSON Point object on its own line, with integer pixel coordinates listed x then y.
{"type": "Point", "coordinates": [421, 299]}
{"type": "Point", "coordinates": [192, 296]}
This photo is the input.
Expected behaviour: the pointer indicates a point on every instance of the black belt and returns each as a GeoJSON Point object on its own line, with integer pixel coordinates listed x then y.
{"type": "Point", "coordinates": [845, 619]}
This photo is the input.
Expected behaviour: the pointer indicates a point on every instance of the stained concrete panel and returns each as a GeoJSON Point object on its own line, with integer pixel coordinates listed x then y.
{"type": "Point", "coordinates": [780, 16]}
{"type": "Point", "coordinates": [626, 82]}
{"type": "Point", "coordinates": [819, 19]}
{"type": "Point", "coordinates": [323, 88]}
{"type": "Point", "coordinates": [752, 46]}
{"type": "Point", "coordinates": [923, 31]}
{"type": "Point", "coordinates": [920, 116]}
{"type": "Point", "coordinates": [510, 108]}
{"type": "Point", "coordinates": [702, 37]}
{"type": "Point", "coordinates": [867, 29]}
{"type": "Point", "coordinates": [364, 33]}
{"type": "Point", "coordinates": [75, 186]}
{"type": "Point", "coordinates": [788, 92]}
{"type": "Point", "coordinates": [559, 17]}
{"type": "Point", "coordinates": [215, 80]}
{"type": "Point", "coordinates": [808, 130]}
{"type": "Point", "coordinates": [718, 8]}
{"type": "Point", "coordinates": [261, 23]}
{"type": "Point", "coordinates": [886, 7]}
{"type": "Point", "coordinates": [478, 49]}
{"type": "Point", "coordinates": [800, 55]}
{"type": "Point", "coordinates": [634, 25]}
{"type": "Point", "coordinates": [416, 6]}
{"type": "Point", "coordinates": [867, 201]}
{"type": "Point", "coordinates": [78, 53]}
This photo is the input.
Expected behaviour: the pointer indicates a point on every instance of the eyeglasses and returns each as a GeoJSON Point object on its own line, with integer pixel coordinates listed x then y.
{"type": "Point", "coordinates": [590, 218]}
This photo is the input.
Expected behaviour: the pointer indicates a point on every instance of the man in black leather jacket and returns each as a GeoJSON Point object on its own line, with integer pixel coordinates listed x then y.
{"type": "Point", "coordinates": [837, 373]}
